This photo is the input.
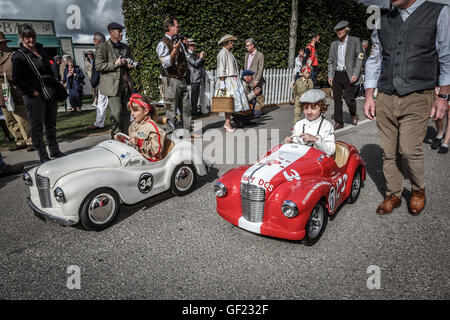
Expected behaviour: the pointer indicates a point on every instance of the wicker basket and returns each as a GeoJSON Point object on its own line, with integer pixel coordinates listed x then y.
{"type": "Point", "coordinates": [222, 104]}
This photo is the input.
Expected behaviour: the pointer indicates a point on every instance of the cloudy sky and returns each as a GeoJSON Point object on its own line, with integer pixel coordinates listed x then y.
{"type": "Point", "coordinates": [94, 14]}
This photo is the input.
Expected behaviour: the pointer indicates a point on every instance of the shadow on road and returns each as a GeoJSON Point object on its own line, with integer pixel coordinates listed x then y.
{"type": "Point", "coordinates": [431, 134]}
{"type": "Point", "coordinates": [373, 157]}
{"type": "Point", "coordinates": [127, 211]}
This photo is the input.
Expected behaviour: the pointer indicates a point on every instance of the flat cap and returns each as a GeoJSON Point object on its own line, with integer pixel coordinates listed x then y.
{"type": "Point", "coordinates": [341, 25]}
{"type": "Point", "coordinates": [247, 73]}
{"type": "Point", "coordinates": [226, 38]}
{"type": "Point", "coordinates": [114, 26]}
{"type": "Point", "coordinates": [312, 96]}
{"type": "Point", "coordinates": [191, 41]}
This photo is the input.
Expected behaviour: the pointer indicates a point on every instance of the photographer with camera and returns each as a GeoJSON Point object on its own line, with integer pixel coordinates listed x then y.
{"type": "Point", "coordinates": [174, 71]}
{"type": "Point", "coordinates": [113, 60]}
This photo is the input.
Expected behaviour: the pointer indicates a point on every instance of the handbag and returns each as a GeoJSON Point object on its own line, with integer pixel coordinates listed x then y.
{"type": "Point", "coordinates": [222, 104]}
{"type": "Point", "coordinates": [6, 88]}
{"type": "Point", "coordinates": [51, 88]}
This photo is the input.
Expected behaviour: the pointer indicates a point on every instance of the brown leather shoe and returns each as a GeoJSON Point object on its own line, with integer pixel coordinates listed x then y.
{"type": "Point", "coordinates": [354, 120]}
{"type": "Point", "coordinates": [417, 201]}
{"type": "Point", "coordinates": [390, 203]}
{"type": "Point", "coordinates": [338, 126]}
{"type": "Point", "coordinates": [93, 127]}
{"type": "Point", "coordinates": [17, 147]}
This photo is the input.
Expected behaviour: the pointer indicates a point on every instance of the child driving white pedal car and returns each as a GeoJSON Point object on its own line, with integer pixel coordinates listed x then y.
{"type": "Point", "coordinates": [144, 133]}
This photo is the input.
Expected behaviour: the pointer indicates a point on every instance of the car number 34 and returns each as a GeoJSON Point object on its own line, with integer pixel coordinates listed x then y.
{"type": "Point", "coordinates": [145, 183]}
{"type": "Point", "coordinates": [340, 187]}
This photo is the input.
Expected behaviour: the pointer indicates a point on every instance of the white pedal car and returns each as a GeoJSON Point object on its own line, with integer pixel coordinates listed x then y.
{"type": "Point", "coordinates": [89, 186]}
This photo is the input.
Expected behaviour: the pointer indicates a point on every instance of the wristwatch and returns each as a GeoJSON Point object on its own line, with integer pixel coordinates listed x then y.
{"type": "Point", "coordinates": [444, 96]}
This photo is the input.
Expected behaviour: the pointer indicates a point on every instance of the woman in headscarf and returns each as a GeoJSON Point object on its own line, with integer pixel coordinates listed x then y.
{"type": "Point", "coordinates": [229, 84]}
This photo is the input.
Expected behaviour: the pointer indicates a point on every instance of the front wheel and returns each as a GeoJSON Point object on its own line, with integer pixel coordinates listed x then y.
{"type": "Point", "coordinates": [183, 179]}
{"type": "Point", "coordinates": [99, 209]}
{"type": "Point", "coordinates": [316, 224]}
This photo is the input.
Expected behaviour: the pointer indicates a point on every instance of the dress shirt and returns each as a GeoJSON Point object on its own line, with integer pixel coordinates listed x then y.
{"type": "Point", "coordinates": [373, 64]}
{"type": "Point", "coordinates": [298, 64]}
{"type": "Point", "coordinates": [164, 53]}
{"type": "Point", "coordinates": [342, 48]}
{"type": "Point", "coordinates": [325, 136]}
{"type": "Point", "coordinates": [250, 59]}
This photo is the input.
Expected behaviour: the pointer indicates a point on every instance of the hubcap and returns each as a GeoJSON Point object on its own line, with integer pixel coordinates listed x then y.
{"type": "Point", "coordinates": [316, 223]}
{"type": "Point", "coordinates": [356, 184]}
{"type": "Point", "coordinates": [101, 208]}
{"type": "Point", "coordinates": [184, 178]}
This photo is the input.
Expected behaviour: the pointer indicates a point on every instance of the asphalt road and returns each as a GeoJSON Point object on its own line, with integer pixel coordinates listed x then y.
{"type": "Point", "coordinates": [180, 248]}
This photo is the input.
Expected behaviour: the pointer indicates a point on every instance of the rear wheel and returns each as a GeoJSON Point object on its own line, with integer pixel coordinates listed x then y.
{"type": "Point", "coordinates": [99, 209]}
{"type": "Point", "coordinates": [183, 179]}
{"type": "Point", "coordinates": [356, 186]}
{"type": "Point", "coordinates": [316, 224]}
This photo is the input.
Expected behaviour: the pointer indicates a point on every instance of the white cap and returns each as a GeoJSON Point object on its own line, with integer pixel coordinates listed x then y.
{"type": "Point", "coordinates": [312, 96]}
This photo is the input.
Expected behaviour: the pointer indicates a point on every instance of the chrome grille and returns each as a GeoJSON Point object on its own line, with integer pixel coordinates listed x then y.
{"type": "Point", "coordinates": [252, 202]}
{"type": "Point", "coordinates": [43, 185]}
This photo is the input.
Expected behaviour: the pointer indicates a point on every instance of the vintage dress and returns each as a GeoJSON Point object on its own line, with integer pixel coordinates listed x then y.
{"type": "Point", "coordinates": [227, 67]}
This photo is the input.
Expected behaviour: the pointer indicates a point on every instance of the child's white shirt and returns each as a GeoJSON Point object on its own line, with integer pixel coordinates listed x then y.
{"type": "Point", "coordinates": [325, 134]}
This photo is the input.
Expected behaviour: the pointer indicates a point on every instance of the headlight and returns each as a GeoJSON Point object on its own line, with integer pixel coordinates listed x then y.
{"type": "Point", "coordinates": [220, 190]}
{"type": "Point", "coordinates": [59, 195]}
{"type": "Point", "coordinates": [289, 209]}
{"type": "Point", "coordinates": [27, 179]}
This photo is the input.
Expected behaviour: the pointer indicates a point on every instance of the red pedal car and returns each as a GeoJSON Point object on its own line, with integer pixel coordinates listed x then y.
{"type": "Point", "coordinates": [290, 192]}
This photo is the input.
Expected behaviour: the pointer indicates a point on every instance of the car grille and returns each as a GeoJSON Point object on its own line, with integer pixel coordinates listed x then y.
{"type": "Point", "coordinates": [252, 202]}
{"type": "Point", "coordinates": [43, 185]}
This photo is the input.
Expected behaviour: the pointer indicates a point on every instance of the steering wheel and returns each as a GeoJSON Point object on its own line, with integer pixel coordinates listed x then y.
{"type": "Point", "coordinates": [285, 140]}
{"type": "Point", "coordinates": [124, 139]}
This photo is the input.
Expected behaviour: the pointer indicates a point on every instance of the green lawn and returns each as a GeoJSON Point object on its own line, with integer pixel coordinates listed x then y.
{"type": "Point", "coordinates": [70, 126]}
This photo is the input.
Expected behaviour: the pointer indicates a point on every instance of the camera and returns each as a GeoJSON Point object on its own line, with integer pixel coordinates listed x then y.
{"type": "Point", "coordinates": [131, 62]}
{"type": "Point", "coordinates": [176, 37]}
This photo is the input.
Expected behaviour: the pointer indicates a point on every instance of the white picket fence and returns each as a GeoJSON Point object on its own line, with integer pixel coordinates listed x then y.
{"type": "Point", "coordinates": [277, 87]}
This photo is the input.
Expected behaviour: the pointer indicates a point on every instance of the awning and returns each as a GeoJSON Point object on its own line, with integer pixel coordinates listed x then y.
{"type": "Point", "coordinates": [46, 41]}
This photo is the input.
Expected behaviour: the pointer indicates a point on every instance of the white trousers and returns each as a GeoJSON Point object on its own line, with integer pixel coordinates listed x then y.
{"type": "Point", "coordinates": [102, 104]}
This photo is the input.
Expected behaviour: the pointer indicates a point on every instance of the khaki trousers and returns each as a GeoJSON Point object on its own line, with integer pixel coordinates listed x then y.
{"type": "Point", "coordinates": [402, 125]}
{"type": "Point", "coordinates": [298, 110]}
{"type": "Point", "coordinates": [17, 123]}
{"type": "Point", "coordinates": [176, 96]}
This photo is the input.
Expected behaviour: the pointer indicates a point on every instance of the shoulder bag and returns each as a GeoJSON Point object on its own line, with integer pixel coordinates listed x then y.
{"type": "Point", "coordinates": [51, 88]}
